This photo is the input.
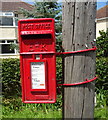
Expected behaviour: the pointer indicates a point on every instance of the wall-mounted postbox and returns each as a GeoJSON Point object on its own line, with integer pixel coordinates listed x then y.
{"type": "Point", "coordinates": [37, 60]}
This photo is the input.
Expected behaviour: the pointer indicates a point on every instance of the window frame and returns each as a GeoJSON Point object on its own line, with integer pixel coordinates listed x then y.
{"type": "Point", "coordinates": [2, 14]}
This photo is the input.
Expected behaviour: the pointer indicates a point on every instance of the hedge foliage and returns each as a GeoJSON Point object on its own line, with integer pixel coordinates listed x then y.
{"type": "Point", "coordinates": [10, 77]}
{"type": "Point", "coordinates": [102, 60]}
{"type": "Point", "coordinates": [102, 44]}
{"type": "Point", "coordinates": [102, 72]}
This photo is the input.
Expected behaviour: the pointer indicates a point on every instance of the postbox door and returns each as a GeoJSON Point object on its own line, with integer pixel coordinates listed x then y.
{"type": "Point", "coordinates": [39, 84]}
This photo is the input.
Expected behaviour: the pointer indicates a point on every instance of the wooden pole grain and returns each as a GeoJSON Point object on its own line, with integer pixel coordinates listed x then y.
{"type": "Point", "coordinates": [79, 34]}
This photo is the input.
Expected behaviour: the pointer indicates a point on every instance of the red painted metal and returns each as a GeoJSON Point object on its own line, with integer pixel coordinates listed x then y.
{"type": "Point", "coordinates": [79, 51]}
{"type": "Point", "coordinates": [37, 37]}
{"type": "Point", "coordinates": [80, 83]}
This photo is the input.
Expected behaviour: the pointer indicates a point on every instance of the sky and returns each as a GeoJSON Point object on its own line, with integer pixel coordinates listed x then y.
{"type": "Point", "coordinates": [100, 3]}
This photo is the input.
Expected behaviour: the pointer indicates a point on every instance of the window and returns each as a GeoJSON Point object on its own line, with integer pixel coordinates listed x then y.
{"type": "Point", "coordinates": [8, 19]}
{"type": "Point", "coordinates": [6, 47]}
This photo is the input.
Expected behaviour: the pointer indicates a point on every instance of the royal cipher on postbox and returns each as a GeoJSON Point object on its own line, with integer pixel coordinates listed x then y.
{"type": "Point", "coordinates": [37, 60]}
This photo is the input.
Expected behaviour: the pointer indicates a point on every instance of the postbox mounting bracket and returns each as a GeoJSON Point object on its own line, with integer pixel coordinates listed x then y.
{"type": "Point", "coordinates": [79, 51]}
{"type": "Point", "coordinates": [73, 52]}
{"type": "Point", "coordinates": [80, 83]}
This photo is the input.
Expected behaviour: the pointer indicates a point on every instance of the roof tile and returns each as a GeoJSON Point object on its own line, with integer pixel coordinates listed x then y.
{"type": "Point", "coordinates": [102, 12]}
{"type": "Point", "coordinates": [15, 6]}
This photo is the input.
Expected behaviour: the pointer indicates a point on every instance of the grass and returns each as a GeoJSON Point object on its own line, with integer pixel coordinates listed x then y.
{"type": "Point", "coordinates": [101, 113]}
{"type": "Point", "coordinates": [14, 108]}
{"type": "Point", "coordinates": [101, 108]}
{"type": "Point", "coordinates": [33, 113]}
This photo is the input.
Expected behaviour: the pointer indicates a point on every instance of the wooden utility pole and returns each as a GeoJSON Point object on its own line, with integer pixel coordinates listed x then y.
{"type": "Point", "coordinates": [79, 34]}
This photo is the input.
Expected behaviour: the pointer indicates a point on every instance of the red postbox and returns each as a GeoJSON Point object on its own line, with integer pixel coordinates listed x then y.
{"type": "Point", "coordinates": [37, 60]}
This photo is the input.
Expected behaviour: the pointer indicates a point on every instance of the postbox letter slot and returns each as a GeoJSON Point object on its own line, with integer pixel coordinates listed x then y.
{"type": "Point", "coordinates": [37, 36]}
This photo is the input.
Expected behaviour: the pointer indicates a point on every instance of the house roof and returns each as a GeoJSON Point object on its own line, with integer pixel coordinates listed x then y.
{"type": "Point", "coordinates": [102, 12]}
{"type": "Point", "coordinates": [11, 6]}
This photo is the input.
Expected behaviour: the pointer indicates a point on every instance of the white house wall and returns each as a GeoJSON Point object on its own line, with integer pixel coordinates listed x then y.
{"type": "Point", "coordinates": [8, 33]}
{"type": "Point", "coordinates": [101, 25]}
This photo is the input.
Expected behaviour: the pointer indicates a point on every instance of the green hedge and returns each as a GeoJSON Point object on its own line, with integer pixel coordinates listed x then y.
{"type": "Point", "coordinates": [10, 77]}
{"type": "Point", "coordinates": [102, 72]}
